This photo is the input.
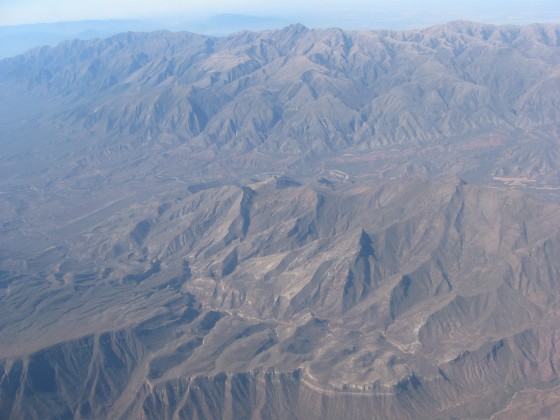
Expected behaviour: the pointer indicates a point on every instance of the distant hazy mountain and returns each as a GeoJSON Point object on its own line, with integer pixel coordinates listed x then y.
{"type": "Point", "coordinates": [17, 39]}
{"type": "Point", "coordinates": [276, 224]}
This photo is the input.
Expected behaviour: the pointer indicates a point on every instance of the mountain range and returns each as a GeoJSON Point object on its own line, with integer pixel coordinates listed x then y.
{"type": "Point", "coordinates": [290, 223]}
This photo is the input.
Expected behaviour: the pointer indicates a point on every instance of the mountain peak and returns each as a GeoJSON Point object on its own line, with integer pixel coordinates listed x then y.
{"type": "Point", "coordinates": [294, 29]}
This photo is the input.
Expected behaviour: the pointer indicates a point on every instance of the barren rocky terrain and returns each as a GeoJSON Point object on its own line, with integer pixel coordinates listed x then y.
{"type": "Point", "coordinates": [285, 224]}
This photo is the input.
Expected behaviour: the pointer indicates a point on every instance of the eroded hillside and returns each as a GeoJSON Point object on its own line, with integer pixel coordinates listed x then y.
{"type": "Point", "coordinates": [246, 301]}
{"type": "Point", "coordinates": [284, 224]}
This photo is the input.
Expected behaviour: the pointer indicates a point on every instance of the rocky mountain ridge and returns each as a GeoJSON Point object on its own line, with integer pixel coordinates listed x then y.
{"type": "Point", "coordinates": [300, 92]}
{"type": "Point", "coordinates": [373, 295]}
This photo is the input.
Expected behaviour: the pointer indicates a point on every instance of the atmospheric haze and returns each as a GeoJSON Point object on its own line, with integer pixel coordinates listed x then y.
{"type": "Point", "coordinates": [348, 13]}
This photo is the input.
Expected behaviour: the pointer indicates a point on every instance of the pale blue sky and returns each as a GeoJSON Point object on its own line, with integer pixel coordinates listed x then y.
{"type": "Point", "coordinates": [348, 12]}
